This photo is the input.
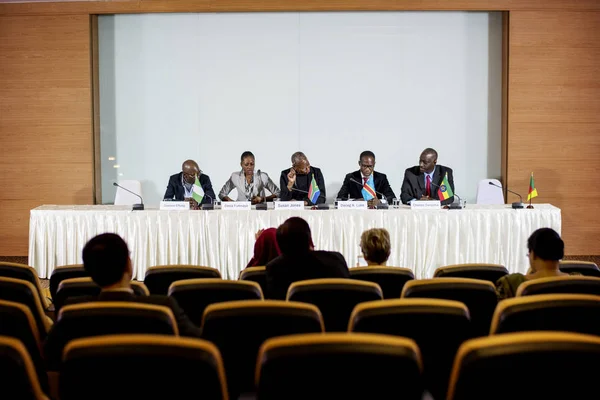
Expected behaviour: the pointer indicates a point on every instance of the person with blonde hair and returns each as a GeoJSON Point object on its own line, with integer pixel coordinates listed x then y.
{"type": "Point", "coordinates": [376, 246]}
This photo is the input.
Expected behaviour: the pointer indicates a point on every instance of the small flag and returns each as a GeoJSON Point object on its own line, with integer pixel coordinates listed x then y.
{"type": "Point", "coordinates": [198, 192]}
{"type": "Point", "coordinates": [367, 191]}
{"type": "Point", "coordinates": [532, 190]}
{"type": "Point", "coordinates": [313, 191]}
{"type": "Point", "coordinates": [445, 191]}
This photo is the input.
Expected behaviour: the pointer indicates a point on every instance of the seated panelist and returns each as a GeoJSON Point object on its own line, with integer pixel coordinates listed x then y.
{"type": "Point", "coordinates": [366, 183]}
{"type": "Point", "coordinates": [250, 185]}
{"type": "Point", "coordinates": [425, 181]}
{"type": "Point", "coordinates": [181, 186]}
{"type": "Point", "coordinates": [302, 182]}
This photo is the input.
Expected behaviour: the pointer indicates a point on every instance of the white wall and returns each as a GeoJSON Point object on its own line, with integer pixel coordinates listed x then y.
{"type": "Point", "coordinates": [210, 86]}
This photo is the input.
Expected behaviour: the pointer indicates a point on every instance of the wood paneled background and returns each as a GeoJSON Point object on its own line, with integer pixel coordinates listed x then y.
{"type": "Point", "coordinates": [46, 107]}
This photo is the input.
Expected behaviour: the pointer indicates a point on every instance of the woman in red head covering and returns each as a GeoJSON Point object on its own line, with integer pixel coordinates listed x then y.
{"type": "Point", "coordinates": [265, 248]}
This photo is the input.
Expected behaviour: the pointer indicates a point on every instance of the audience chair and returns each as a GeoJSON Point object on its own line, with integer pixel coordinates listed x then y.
{"type": "Point", "coordinates": [194, 295]}
{"type": "Point", "coordinates": [550, 365]}
{"type": "Point", "coordinates": [339, 366]}
{"type": "Point", "coordinates": [335, 298]}
{"type": "Point", "coordinates": [16, 321]}
{"type": "Point", "coordinates": [579, 313]}
{"type": "Point", "coordinates": [23, 292]}
{"type": "Point", "coordinates": [561, 284]}
{"type": "Point", "coordinates": [106, 318]}
{"type": "Point", "coordinates": [238, 328]}
{"type": "Point", "coordinates": [63, 272]}
{"type": "Point", "coordinates": [585, 268]}
{"type": "Point", "coordinates": [391, 280]}
{"type": "Point", "coordinates": [485, 272]}
{"type": "Point", "coordinates": [255, 274]}
{"type": "Point", "coordinates": [438, 327]}
{"type": "Point", "coordinates": [159, 278]}
{"type": "Point", "coordinates": [26, 273]}
{"type": "Point", "coordinates": [478, 295]}
{"type": "Point", "coordinates": [142, 367]}
{"type": "Point", "coordinates": [18, 379]}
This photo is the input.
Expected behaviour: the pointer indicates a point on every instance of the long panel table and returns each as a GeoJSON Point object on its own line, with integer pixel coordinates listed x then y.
{"type": "Point", "coordinates": [421, 239]}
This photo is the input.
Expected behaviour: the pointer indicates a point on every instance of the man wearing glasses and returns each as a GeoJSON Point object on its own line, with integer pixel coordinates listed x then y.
{"type": "Point", "coordinates": [181, 185]}
{"type": "Point", "coordinates": [366, 183]}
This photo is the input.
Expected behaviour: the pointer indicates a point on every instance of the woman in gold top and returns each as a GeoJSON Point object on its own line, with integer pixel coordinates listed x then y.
{"type": "Point", "coordinates": [375, 246]}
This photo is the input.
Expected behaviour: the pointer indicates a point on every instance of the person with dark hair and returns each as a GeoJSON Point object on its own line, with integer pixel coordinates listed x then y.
{"type": "Point", "coordinates": [423, 181]}
{"type": "Point", "coordinates": [181, 185]}
{"type": "Point", "coordinates": [366, 183]}
{"type": "Point", "coordinates": [299, 261]}
{"type": "Point", "coordinates": [297, 182]}
{"type": "Point", "coordinates": [265, 248]}
{"type": "Point", "coordinates": [250, 185]}
{"type": "Point", "coordinates": [546, 249]}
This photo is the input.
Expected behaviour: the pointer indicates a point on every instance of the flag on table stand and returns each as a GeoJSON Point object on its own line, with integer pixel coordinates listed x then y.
{"type": "Point", "coordinates": [532, 190]}
{"type": "Point", "coordinates": [367, 191]}
{"type": "Point", "coordinates": [445, 191]}
{"type": "Point", "coordinates": [198, 192]}
{"type": "Point", "coordinates": [313, 191]}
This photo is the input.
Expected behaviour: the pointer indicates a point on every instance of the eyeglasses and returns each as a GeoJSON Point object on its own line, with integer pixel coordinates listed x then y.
{"type": "Point", "coordinates": [367, 166]}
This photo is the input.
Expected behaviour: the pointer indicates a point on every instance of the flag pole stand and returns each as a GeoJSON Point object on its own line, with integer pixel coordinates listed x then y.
{"type": "Point", "coordinates": [529, 206]}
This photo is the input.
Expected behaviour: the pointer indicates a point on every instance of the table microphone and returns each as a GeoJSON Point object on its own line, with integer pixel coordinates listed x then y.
{"type": "Point", "coordinates": [452, 206]}
{"type": "Point", "coordinates": [210, 206]}
{"type": "Point", "coordinates": [379, 206]}
{"type": "Point", "coordinates": [136, 207]}
{"type": "Point", "coordinates": [263, 204]}
{"type": "Point", "coordinates": [516, 204]}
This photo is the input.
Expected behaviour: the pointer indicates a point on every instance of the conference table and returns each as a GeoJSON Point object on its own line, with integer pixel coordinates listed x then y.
{"type": "Point", "coordinates": [224, 239]}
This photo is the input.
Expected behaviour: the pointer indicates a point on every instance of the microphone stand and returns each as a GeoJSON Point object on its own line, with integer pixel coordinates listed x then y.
{"type": "Point", "coordinates": [515, 205]}
{"type": "Point", "coordinates": [136, 207]}
{"type": "Point", "coordinates": [381, 205]}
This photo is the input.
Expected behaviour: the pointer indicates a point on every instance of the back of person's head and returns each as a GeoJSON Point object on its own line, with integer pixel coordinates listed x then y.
{"type": "Point", "coordinates": [375, 245]}
{"type": "Point", "coordinates": [106, 258]}
{"type": "Point", "coordinates": [546, 244]}
{"type": "Point", "coordinates": [265, 247]}
{"type": "Point", "coordinates": [294, 237]}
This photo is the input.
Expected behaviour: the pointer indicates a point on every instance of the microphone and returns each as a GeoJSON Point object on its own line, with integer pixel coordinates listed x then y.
{"type": "Point", "coordinates": [210, 206]}
{"type": "Point", "coordinates": [379, 206]}
{"type": "Point", "coordinates": [263, 204]}
{"type": "Point", "coordinates": [136, 207]}
{"type": "Point", "coordinates": [452, 206]}
{"type": "Point", "coordinates": [516, 204]}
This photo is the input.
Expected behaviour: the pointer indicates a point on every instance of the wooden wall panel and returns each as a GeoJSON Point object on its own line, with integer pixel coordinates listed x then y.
{"type": "Point", "coordinates": [554, 117]}
{"type": "Point", "coordinates": [45, 119]}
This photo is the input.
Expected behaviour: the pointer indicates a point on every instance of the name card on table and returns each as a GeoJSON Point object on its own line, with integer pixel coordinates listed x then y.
{"type": "Point", "coordinates": [289, 205]}
{"type": "Point", "coordinates": [361, 205]}
{"type": "Point", "coordinates": [236, 205]}
{"type": "Point", "coordinates": [425, 205]}
{"type": "Point", "coordinates": [174, 205]}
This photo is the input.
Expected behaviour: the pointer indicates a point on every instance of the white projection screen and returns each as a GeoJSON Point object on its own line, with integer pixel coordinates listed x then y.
{"type": "Point", "coordinates": [210, 86]}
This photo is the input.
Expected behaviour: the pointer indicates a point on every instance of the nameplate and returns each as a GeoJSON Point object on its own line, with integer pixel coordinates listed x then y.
{"type": "Point", "coordinates": [426, 205]}
{"type": "Point", "coordinates": [174, 205]}
{"type": "Point", "coordinates": [361, 205]}
{"type": "Point", "coordinates": [236, 205]}
{"type": "Point", "coordinates": [289, 205]}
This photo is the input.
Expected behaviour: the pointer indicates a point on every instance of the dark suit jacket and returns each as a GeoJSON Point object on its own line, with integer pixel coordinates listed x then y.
{"type": "Point", "coordinates": [354, 191]}
{"type": "Point", "coordinates": [413, 186]}
{"type": "Point", "coordinates": [285, 270]}
{"type": "Point", "coordinates": [287, 195]}
{"type": "Point", "coordinates": [176, 191]}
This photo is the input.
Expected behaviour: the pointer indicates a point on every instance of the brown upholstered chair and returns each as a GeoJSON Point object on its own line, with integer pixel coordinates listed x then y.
{"type": "Point", "coordinates": [24, 292]}
{"type": "Point", "coordinates": [159, 278]}
{"type": "Point", "coordinates": [561, 284]}
{"type": "Point", "coordinates": [63, 272]}
{"type": "Point", "coordinates": [26, 273]}
{"type": "Point", "coordinates": [486, 272]}
{"type": "Point", "coordinates": [586, 268]}
{"type": "Point", "coordinates": [391, 280]}
{"type": "Point", "coordinates": [18, 379]}
{"type": "Point", "coordinates": [255, 274]}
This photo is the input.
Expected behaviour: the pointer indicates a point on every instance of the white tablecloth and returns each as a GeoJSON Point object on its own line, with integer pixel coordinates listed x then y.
{"type": "Point", "coordinates": [421, 239]}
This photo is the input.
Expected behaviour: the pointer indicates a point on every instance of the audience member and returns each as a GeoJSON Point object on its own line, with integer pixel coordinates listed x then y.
{"type": "Point", "coordinates": [375, 246]}
{"type": "Point", "coordinates": [265, 247]}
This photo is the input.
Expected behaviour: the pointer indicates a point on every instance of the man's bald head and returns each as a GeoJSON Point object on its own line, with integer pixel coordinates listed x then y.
{"type": "Point", "coordinates": [428, 160]}
{"type": "Point", "coordinates": [190, 170]}
{"type": "Point", "coordinates": [300, 163]}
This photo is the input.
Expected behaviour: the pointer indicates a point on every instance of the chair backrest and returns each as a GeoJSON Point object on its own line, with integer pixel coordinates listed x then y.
{"type": "Point", "coordinates": [17, 321]}
{"type": "Point", "coordinates": [556, 364]}
{"type": "Point", "coordinates": [239, 328]}
{"type": "Point", "coordinates": [586, 268]}
{"type": "Point", "coordinates": [23, 292]}
{"type": "Point", "coordinates": [18, 379]}
{"type": "Point", "coordinates": [339, 366]}
{"type": "Point", "coordinates": [107, 318]}
{"type": "Point", "coordinates": [159, 278]}
{"type": "Point", "coordinates": [548, 312]}
{"type": "Point", "coordinates": [194, 295]}
{"type": "Point", "coordinates": [391, 280]}
{"type": "Point", "coordinates": [142, 366]}
{"type": "Point", "coordinates": [335, 298]}
{"type": "Point", "coordinates": [486, 272]}
{"type": "Point", "coordinates": [489, 194]}
{"type": "Point", "coordinates": [438, 327]}
{"type": "Point", "coordinates": [479, 296]}
{"type": "Point", "coordinates": [561, 284]}
{"type": "Point", "coordinates": [124, 198]}
{"type": "Point", "coordinates": [26, 273]}
{"type": "Point", "coordinates": [63, 272]}
{"type": "Point", "coordinates": [255, 274]}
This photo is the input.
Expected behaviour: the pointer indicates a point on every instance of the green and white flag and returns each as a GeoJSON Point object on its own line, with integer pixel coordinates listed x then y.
{"type": "Point", "coordinates": [198, 193]}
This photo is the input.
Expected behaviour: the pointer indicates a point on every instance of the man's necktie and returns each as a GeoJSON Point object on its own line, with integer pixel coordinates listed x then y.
{"type": "Point", "coordinates": [428, 187]}
{"type": "Point", "coordinates": [365, 179]}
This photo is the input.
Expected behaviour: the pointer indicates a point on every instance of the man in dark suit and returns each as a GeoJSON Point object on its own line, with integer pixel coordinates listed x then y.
{"type": "Point", "coordinates": [295, 182]}
{"type": "Point", "coordinates": [355, 181]}
{"type": "Point", "coordinates": [423, 181]}
{"type": "Point", "coordinates": [181, 185]}
{"type": "Point", "coordinates": [299, 261]}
